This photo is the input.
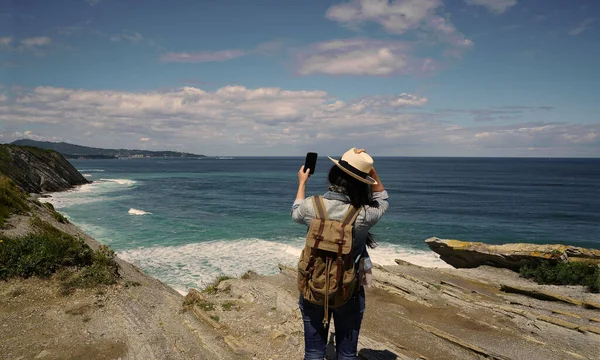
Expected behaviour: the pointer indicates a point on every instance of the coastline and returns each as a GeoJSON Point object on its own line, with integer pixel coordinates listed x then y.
{"type": "Point", "coordinates": [413, 312]}
{"type": "Point", "coordinates": [458, 313]}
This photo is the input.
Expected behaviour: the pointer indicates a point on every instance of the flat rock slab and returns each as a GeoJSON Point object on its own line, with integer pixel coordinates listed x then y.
{"type": "Point", "coordinates": [463, 254]}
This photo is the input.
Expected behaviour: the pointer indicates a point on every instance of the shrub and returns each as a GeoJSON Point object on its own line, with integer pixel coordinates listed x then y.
{"type": "Point", "coordinates": [48, 250]}
{"type": "Point", "coordinates": [569, 273]}
{"type": "Point", "coordinates": [12, 200]}
{"type": "Point", "coordinates": [42, 253]}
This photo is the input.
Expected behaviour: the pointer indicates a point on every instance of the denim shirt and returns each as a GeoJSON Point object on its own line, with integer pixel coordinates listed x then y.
{"type": "Point", "coordinates": [336, 204]}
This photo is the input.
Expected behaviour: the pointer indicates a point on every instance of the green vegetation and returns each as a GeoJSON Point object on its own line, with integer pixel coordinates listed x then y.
{"type": "Point", "coordinates": [5, 158]}
{"type": "Point", "coordinates": [103, 270]}
{"type": "Point", "coordinates": [48, 250]}
{"type": "Point", "coordinates": [228, 306]}
{"type": "Point", "coordinates": [12, 200]}
{"type": "Point", "coordinates": [212, 288]}
{"type": "Point", "coordinates": [49, 206]}
{"type": "Point", "coordinates": [205, 305]}
{"type": "Point", "coordinates": [60, 217]}
{"type": "Point", "coordinates": [215, 318]}
{"type": "Point", "coordinates": [57, 216]}
{"type": "Point", "coordinates": [569, 273]}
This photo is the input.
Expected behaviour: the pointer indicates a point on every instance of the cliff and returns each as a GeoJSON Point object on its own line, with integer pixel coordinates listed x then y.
{"type": "Point", "coordinates": [37, 170]}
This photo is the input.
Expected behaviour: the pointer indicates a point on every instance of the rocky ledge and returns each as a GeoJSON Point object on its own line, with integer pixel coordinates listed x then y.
{"type": "Point", "coordinates": [37, 170]}
{"type": "Point", "coordinates": [463, 254]}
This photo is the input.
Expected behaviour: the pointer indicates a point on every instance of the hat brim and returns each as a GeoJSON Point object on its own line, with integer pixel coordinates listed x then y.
{"type": "Point", "coordinates": [368, 180]}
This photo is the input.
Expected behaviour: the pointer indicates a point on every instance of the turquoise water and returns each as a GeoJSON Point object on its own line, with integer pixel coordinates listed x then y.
{"type": "Point", "coordinates": [187, 220]}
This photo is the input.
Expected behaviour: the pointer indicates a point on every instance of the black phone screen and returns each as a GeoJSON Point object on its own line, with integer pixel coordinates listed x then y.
{"type": "Point", "coordinates": [310, 162]}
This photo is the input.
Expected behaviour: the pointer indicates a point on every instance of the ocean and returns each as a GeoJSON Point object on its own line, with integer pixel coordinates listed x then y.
{"type": "Point", "coordinates": [185, 221]}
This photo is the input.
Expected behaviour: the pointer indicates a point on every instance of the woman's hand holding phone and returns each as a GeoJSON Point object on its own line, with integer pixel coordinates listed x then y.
{"type": "Point", "coordinates": [303, 175]}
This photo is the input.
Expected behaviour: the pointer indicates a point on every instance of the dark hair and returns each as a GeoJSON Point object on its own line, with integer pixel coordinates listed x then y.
{"type": "Point", "coordinates": [359, 193]}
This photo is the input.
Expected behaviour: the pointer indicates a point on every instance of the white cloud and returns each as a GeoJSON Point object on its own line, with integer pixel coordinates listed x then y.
{"type": "Point", "coordinates": [34, 42]}
{"type": "Point", "coordinates": [583, 26]}
{"type": "Point", "coordinates": [361, 57]}
{"type": "Point", "coordinates": [133, 38]}
{"type": "Point", "coordinates": [265, 49]}
{"type": "Point", "coordinates": [399, 17]}
{"type": "Point", "coordinates": [266, 121]}
{"type": "Point", "coordinates": [409, 100]}
{"type": "Point", "coordinates": [5, 41]}
{"type": "Point", "coordinates": [204, 56]}
{"type": "Point", "coordinates": [422, 18]}
{"type": "Point", "coordinates": [495, 6]}
{"type": "Point", "coordinates": [395, 17]}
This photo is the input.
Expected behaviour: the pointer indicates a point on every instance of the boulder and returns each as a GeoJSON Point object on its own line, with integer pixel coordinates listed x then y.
{"type": "Point", "coordinates": [464, 254]}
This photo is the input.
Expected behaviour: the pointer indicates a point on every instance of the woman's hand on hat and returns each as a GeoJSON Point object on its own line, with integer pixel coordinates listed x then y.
{"type": "Point", "coordinates": [303, 175]}
{"type": "Point", "coordinates": [358, 151]}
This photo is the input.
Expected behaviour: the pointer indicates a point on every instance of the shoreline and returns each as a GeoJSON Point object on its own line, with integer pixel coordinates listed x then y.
{"type": "Point", "coordinates": [459, 313]}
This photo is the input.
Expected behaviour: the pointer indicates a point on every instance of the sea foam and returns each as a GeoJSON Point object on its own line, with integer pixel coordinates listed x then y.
{"type": "Point", "coordinates": [126, 182]}
{"type": "Point", "coordinates": [88, 193]}
{"type": "Point", "coordinates": [133, 211]}
{"type": "Point", "coordinates": [198, 264]}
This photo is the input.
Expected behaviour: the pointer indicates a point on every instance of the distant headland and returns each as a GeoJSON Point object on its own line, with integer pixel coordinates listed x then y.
{"type": "Point", "coordinates": [72, 151]}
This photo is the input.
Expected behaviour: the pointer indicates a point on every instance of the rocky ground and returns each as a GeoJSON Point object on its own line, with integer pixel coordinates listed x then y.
{"type": "Point", "coordinates": [412, 313]}
{"type": "Point", "coordinates": [138, 318]}
{"type": "Point", "coordinates": [421, 313]}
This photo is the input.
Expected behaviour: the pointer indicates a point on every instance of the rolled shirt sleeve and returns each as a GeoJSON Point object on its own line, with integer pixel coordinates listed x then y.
{"type": "Point", "coordinates": [302, 211]}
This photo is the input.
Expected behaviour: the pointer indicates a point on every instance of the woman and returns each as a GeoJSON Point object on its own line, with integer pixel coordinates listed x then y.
{"type": "Point", "coordinates": [352, 181]}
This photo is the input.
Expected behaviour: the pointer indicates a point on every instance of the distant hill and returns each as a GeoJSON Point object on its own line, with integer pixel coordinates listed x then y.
{"type": "Point", "coordinates": [72, 151]}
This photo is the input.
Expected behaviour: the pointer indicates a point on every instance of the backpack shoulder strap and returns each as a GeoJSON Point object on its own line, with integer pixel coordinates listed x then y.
{"type": "Point", "coordinates": [319, 206]}
{"type": "Point", "coordinates": [351, 215]}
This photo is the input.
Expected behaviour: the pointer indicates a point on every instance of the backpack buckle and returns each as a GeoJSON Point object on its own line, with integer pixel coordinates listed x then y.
{"type": "Point", "coordinates": [340, 242]}
{"type": "Point", "coordinates": [318, 237]}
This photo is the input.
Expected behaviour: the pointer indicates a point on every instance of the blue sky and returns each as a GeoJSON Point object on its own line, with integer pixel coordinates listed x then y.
{"type": "Point", "coordinates": [403, 77]}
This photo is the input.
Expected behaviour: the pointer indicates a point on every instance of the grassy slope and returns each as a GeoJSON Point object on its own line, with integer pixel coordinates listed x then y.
{"type": "Point", "coordinates": [46, 249]}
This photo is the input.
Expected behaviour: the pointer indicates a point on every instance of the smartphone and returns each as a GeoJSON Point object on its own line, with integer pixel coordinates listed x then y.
{"type": "Point", "coordinates": [310, 162]}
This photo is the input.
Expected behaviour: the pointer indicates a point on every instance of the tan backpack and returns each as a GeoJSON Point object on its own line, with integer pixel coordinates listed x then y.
{"type": "Point", "coordinates": [326, 270]}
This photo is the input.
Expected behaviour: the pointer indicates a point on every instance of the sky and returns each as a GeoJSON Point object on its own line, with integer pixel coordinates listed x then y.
{"type": "Point", "coordinates": [510, 78]}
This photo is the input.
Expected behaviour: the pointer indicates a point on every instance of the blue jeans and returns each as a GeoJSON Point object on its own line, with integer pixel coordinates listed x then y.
{"type": "Point", "coordinates": [347, 318]}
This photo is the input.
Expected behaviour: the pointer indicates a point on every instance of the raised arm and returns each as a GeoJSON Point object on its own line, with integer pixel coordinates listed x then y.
{"type": "Point", "coordinates": [302, 179]}
{"type": "Point", "coordinates": [379, 186]}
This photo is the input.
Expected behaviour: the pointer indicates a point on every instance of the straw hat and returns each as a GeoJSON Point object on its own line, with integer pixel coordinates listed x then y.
{"type": "Point", "coordinates": [356, 165]}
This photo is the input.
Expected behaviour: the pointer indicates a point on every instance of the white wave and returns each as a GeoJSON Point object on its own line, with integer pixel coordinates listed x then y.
{"type": "Point", "coordinates": [133, 211]}
{"type": "Point", "coordinates": [385, 254]}
{"type": "Point", "coordinates": [197, 265]}
{"type": "Point", "coordinates": [121, 181]}
{"type": "Point", "coordinates": [88, 193]}
{"type": "Point", "coordinates": [90, 170]}
{"type": "Point", "coordinates": [87, 175]}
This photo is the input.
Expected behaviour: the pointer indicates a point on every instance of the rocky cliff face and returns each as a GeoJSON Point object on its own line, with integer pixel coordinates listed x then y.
{"type": "Point", "coordinates": [37, 170]}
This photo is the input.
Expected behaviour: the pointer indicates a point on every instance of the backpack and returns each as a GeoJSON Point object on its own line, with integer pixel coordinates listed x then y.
{"type": "Point", "coordinates": [326, 270]}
